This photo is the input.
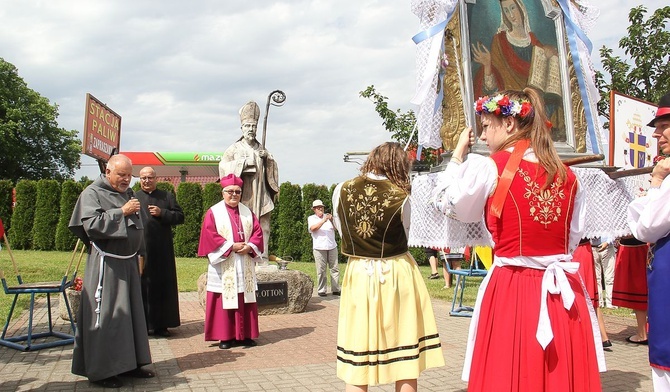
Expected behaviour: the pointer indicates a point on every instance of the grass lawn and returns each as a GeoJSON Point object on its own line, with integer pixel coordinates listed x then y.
{"type": "Point", "coordinates": [36, 266]}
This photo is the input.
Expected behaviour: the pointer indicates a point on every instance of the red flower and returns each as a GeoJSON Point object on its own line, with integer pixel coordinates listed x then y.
{"type": "Point", "coordinates": [78, 284]}
{"type": "Point", "coordinates": [525, 109]}
{"type": "Point", "coordinates": [504, 101]}
{"type": "Point", "coordinates": [411, 153]}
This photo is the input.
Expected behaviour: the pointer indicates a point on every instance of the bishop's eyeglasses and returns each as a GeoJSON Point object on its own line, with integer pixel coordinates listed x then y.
{"type": "Point", "coordinates": [233, 192]}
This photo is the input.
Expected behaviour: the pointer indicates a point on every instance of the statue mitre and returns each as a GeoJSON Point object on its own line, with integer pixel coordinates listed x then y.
{"type": "Point", "coordinates": [250, 113]}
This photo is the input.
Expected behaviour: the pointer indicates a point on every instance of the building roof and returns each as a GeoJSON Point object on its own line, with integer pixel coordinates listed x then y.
{"type": "Point", "coordinates": [177, 164]}
{"type": "Point", "coordinates": [176, 180]}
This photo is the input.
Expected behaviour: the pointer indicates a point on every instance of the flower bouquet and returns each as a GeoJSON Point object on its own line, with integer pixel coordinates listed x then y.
{"type": "Point", "coordinates": [73, 297]}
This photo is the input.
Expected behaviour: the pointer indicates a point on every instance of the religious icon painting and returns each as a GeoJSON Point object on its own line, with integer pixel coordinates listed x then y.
{"type": "Point", "coordinates": [511, 45]}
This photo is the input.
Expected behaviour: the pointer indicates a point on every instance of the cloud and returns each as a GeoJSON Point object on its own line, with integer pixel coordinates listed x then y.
{"type": "Point", "coordinates": [177, 72]}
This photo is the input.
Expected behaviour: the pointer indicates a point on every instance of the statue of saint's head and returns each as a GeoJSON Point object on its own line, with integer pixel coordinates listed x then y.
{"type": "Point", "coordinates": [249, 114]}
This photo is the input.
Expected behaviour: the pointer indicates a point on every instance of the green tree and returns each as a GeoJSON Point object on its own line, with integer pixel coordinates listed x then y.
{"type": "Point", "coordinates": [165, 186]}
{"type": "Point", "coordinates": [211, 195]}
{"type": "Point", "coordinates": [21, 235]}
{"type": "Point", "coordinates": [647, 43]}
{"type": "Point", "coordinates": [85, 181]}
{"type": "Point", "coordinates": [6, 201]}
{"type": "Point", "coordinates": [187, 235]}
{"type": "Point", "coordinates": [70, 191]}
{"type": "Point", "coordinates": [290, 221]}
{"type": "Point", "coordinates": [273, 246]}
{"type": "Point", "coordinates": [400, 124]}
{"type": "Point", "coordinates": [47, 206]}
{"type": "Point", "coordinates": [32, 146]}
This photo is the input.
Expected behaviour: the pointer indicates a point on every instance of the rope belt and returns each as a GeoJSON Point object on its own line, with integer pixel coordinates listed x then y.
{"type": "Point", "coordinates": [98, 290]}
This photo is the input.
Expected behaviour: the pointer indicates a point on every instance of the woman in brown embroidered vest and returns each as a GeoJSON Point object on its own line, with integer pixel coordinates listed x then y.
{"type": "Point", "coordinates": [532, 328]}
{"type": "Point", "coordinates": [386, 328]}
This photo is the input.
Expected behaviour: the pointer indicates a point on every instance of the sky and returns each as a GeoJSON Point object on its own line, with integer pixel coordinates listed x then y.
{"type": "Point", "coordinates": [178, 71]}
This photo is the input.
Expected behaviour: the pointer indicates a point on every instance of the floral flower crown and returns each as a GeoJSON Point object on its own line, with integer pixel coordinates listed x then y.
{"type": "Point", "coordinates": [502, 105]}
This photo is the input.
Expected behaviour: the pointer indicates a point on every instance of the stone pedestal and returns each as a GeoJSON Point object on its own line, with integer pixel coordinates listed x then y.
{"type": "Point", "coordinates": [74, 298]}
{"type": "Point", "coordinates": [300, 289]}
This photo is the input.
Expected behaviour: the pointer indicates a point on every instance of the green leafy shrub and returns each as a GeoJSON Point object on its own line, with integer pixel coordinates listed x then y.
{"type": "Point", "coordinates": [165, 186]}
{"type": "Point", "coordinates": [47, 207]}
{"type": "Point", "coordinates": [290, 221]}
{"type": "Point", "coordinates": [6, 201]}
{"type": "Point", "coordinates": [20, 234]}
{"type": "Point", "coordinates": [187, 235]}
{"type": "Point", "coordinates": [70, 191]}
{"type": "Point", "coordinates": [211, 195]}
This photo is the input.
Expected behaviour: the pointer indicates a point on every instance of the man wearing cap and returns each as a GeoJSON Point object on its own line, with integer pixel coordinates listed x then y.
{"type": "Point", "coordinates": [649, 221]}
{"type": "Point", "coordinates": [249, 160]}
{"type": "Point", "coordinates": [232, 239]}
{"type": "Point", "coordinates": [320, 225]}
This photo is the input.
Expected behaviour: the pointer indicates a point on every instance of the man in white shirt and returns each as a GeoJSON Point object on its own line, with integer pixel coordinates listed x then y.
{"type": "Point", "coordinates": [321, 227]}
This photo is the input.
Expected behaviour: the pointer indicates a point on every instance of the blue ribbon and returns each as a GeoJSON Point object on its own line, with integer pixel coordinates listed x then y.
{"type": "Point", "coordinates": [573, 31]}
{"type": "Point", "coordinates": [418, 152]}
{"type": "Point", "coordinates": [424, 35]}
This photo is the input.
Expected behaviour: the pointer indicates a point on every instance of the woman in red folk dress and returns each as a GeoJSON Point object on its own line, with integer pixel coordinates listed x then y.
{"type": "Point", "coordinates": [531, 329]}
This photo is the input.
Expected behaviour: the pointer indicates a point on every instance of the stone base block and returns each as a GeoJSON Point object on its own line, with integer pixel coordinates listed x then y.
{"type": "Point", "coordinates": [300, 289]}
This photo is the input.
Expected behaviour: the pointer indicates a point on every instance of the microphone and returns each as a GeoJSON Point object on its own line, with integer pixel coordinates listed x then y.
{"type": "Point", "coordinates": [131, 195]}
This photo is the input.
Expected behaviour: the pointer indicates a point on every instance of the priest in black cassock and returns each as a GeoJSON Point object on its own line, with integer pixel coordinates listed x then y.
{"type": "Point", "coordinates": [159, 278]}
{"type": "Point", "coordinates": [111, 338]}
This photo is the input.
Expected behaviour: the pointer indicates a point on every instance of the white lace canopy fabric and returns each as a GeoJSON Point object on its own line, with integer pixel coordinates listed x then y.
{"type": "Point", "coordinates": [428, 119]}
{"type": "Point", "coordinates": [606, 204]}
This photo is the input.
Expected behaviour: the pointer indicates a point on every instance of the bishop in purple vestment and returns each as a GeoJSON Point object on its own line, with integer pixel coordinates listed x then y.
{"type": "Point", "coordinates": [232, 239]}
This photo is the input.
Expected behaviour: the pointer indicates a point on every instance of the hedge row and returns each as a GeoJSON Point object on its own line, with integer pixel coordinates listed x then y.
{"type": "Point", "coordinates": [43, 208]}
{"type": "Point", "coordinates": [6, 200]}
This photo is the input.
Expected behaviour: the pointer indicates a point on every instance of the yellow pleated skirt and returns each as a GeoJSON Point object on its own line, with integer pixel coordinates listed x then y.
{"type": "Point", "coordinates": [386, 328]}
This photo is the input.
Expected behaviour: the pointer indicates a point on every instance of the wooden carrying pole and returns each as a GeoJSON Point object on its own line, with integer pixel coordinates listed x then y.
{"type": "Point", "coordinates": [11, 255]}
{"type": "Point", "coordinates": [583, 159]}
{"type": "Point", "coordinates": [631, 172]}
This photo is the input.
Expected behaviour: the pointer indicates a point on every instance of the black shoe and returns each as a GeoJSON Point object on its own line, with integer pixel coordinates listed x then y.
{"type": "Point", "coordinates": [336, 293]}
{"type": "Point", "coordinates": [249, 343]}
{"type": "Point", "coordinates": [226, 344]}
{"type": "Point", "coordinates": [642, 342]}
{"type": "Point", "coordinates": [162, 332]}
{"type": "Point", "coordinates": [139, 373]}
{"type": "Point", "coordinates": [109, 382]}
{"type": "Point", "coordinates": [322, 294]}
{"type": "Point", "coordinates": [607, 343]}
{"type": "Point", "coordinates": [434, 276]}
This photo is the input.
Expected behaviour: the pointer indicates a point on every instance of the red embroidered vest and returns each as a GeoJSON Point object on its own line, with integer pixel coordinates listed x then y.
{"type": "Point", "coordinates": [533, 222]}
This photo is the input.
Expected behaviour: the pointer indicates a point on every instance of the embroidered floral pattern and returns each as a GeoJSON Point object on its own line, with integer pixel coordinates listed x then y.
{"type": "Point", "coordinates": [368, 207]}
{"type": "Point", "coordinates": [228, 284]}
{"type": "Point", "coordinates": [545, 205]}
